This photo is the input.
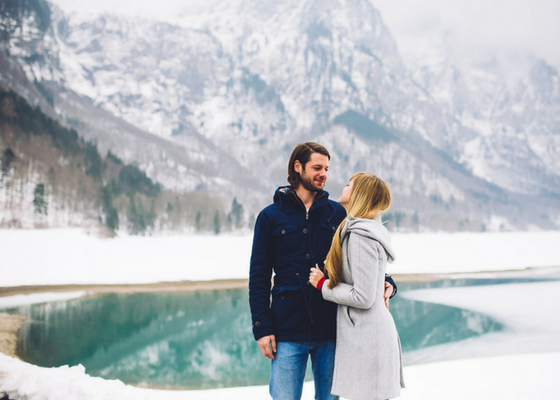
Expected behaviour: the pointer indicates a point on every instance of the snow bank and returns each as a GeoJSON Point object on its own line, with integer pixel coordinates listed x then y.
{"type": "Point", "coordinates": [20, 380]}
{"type": "Point", "coordinates": [23, 381]}
{"type": "Point", "coordinates": [73, 257]}
{"type": "Point", "coordinates": [518, 377]}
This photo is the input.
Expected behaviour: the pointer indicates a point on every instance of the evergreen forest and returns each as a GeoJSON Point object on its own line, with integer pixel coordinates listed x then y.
{"type": "Point", "coordinates": [50, 177]}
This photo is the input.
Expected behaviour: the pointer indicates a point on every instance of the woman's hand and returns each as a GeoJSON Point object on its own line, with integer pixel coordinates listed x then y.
{"type": "Point", "coordinates": [315, 276]}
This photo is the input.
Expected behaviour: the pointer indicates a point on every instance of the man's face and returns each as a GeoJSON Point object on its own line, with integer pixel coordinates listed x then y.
{"type": "Point", "coordinates": [314, 175]}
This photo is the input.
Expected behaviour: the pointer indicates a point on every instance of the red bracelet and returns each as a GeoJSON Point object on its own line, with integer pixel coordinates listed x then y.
{"type": "Point", "coordinates": [320, 283]}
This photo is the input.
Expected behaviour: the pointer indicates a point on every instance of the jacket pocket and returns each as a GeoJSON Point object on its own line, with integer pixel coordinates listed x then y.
{"type": "Point", "coordinates": [288, 309]}
{"type": "Point", "coordinates": [329, 227]}
{"type": "Point", "coordinates": [327, 232]}
{"type": "Point", "coordinates": [285, 239]}
{"type": "Point", "coordinates": [346, 311]}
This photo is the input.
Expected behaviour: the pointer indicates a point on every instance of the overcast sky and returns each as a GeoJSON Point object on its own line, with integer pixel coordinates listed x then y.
{"type": "Point", "coordinates": [526, 25]}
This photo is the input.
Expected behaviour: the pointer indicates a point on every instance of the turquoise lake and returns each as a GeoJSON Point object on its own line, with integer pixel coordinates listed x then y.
{"type": "Point", "coordinates": [200, 339]}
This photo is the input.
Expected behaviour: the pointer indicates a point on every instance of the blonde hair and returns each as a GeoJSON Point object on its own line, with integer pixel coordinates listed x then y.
{"type": "Point", "coordinates": [370, 195]}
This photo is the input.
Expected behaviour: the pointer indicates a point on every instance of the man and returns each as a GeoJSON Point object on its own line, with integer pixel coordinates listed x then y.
{"type": "Point", "coordinates": [292, 235]}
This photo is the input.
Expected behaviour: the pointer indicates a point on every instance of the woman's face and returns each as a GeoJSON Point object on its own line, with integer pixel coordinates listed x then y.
{"type": "Point", "coordinates": [345, 196]}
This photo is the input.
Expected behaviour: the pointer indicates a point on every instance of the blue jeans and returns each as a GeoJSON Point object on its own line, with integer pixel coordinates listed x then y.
{"type": "Point", "coordinates": [288, 369]}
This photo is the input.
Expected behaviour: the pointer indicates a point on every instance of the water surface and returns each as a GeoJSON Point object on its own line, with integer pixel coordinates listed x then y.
{"type": "Point", "coordinates": [201, 339]}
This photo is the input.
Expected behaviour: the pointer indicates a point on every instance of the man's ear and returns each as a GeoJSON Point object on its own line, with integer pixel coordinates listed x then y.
{"type": "Point", "coordinates": [297, 166]}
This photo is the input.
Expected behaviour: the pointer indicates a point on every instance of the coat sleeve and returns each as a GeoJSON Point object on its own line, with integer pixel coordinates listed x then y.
{"type": "Point", "coordinates": [389, 278]}
{"type": "Point", "coordinates": [260, 274]}
{"type": "Point", "coordinates": [364, 264]}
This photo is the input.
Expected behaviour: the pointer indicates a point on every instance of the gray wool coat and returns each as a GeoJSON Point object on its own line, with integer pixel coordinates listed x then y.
{"type": "Point", "coordinates": [368, 362]}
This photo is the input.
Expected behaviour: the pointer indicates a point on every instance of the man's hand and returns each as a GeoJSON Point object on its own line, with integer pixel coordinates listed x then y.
{"type": "Point", "coordinates": [315, 276]}
{"type": "Point", "coordinates": [388, 293]}
{"type": "Point", "coordinates": [265, 343]}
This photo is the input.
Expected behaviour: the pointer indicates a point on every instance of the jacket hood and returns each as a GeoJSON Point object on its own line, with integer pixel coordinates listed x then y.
{"type": "Point", "coordinates": [371, 228]}
{"type": "Point", "coordinates": [281, 191]}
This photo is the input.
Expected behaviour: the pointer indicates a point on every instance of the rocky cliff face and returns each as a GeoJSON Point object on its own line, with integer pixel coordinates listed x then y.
{"type": "Point", "coordinates": [217, 102]}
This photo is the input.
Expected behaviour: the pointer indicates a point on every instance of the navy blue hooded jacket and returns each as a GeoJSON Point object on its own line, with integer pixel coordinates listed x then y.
{"type": "Point", "coordinates": [289, 241]}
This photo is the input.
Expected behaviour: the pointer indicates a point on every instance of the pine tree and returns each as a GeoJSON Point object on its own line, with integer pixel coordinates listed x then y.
{"type": "Point", "coordinates": [236, 213]}
{"type": "Point", "coordinates": [94, 165]}
{"type": "Point", "coordinates": [136, 216]}
{"type": "Point", "coordinates": [416, 219]}
{"type": "Point", "coordinates": [197, 221]}
{"type": "Point", "coordinates": [7, 159]}
{"type": "Point", "coordinates": [39, 201]}
{"type": "Point", "coordinates": [398, 218]}
{"type": "Point", "coordinates": [217, 223]}
{"type": "Point", "coordinates": [111, 213]}
{"type": "Point", "coordinates": [251, 222]}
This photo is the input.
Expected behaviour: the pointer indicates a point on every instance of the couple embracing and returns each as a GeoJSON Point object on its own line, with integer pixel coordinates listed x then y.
{"type": "Point", "coordinates": [330, 293]}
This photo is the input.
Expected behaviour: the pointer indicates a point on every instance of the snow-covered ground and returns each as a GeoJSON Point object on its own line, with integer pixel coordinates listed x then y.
{"type": "Point", "coordinates": [73, 257]}
{"type": "Point", "coordinates": [522, 361]}
{"type": "Point", "coordinates": [525, 376]}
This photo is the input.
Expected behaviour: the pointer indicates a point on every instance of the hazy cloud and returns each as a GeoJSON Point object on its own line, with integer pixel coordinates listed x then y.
{"type": "Point", "coordinates": [509, 25]}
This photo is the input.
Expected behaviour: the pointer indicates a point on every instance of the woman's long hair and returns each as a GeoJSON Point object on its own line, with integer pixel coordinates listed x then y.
{"type": "Point", "coordinates": [369, 196]}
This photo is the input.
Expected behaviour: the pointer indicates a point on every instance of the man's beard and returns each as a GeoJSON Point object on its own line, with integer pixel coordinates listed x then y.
{"type": "Point", "coordinates": [307, 182]}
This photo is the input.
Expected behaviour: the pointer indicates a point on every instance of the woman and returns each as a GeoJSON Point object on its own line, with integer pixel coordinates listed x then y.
{"type": "Point", "coordinates": [368, 361]}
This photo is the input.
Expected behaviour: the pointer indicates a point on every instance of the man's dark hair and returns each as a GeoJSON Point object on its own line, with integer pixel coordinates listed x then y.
{"type": "Point", "coordinates": [302, 152]}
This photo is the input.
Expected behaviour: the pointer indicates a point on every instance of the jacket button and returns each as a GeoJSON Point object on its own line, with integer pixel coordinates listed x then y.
{"type": "Point", "coordinates": [257, 324]}
{"type": "Point", "coordinates": [304, 230]}
{"type": "Point", "coordinates": [283, 231]}
{"type": "Point", "coordinates": [282, 297]}
{"type": "Point", "coordinates": [334, 228]}
{"type": "Point", "coordinates": [308, 256]}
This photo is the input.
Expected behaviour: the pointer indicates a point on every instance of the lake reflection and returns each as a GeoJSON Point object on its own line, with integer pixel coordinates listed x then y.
{"type": "Point", "coordinates": [195, 340]}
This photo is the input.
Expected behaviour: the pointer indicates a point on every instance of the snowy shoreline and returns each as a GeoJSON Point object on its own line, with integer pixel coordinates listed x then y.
{"type": "Point", "coordinates": [73, 257]}
{"type": "Point", "coordinates": [12, 296]}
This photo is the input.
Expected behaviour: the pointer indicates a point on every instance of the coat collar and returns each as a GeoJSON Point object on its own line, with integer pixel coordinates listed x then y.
{"type": "Point", "coordinates": [286, 193]}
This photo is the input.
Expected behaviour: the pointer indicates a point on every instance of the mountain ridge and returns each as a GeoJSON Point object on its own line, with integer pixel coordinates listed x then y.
{"type": "Point", "coordinates": [312, 71]}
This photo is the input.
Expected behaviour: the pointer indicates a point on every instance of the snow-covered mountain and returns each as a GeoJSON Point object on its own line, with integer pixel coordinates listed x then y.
{"type": "Point", "coordinates": [502, 111]}
{"type": "Point", "coordinates": [216, 100]}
